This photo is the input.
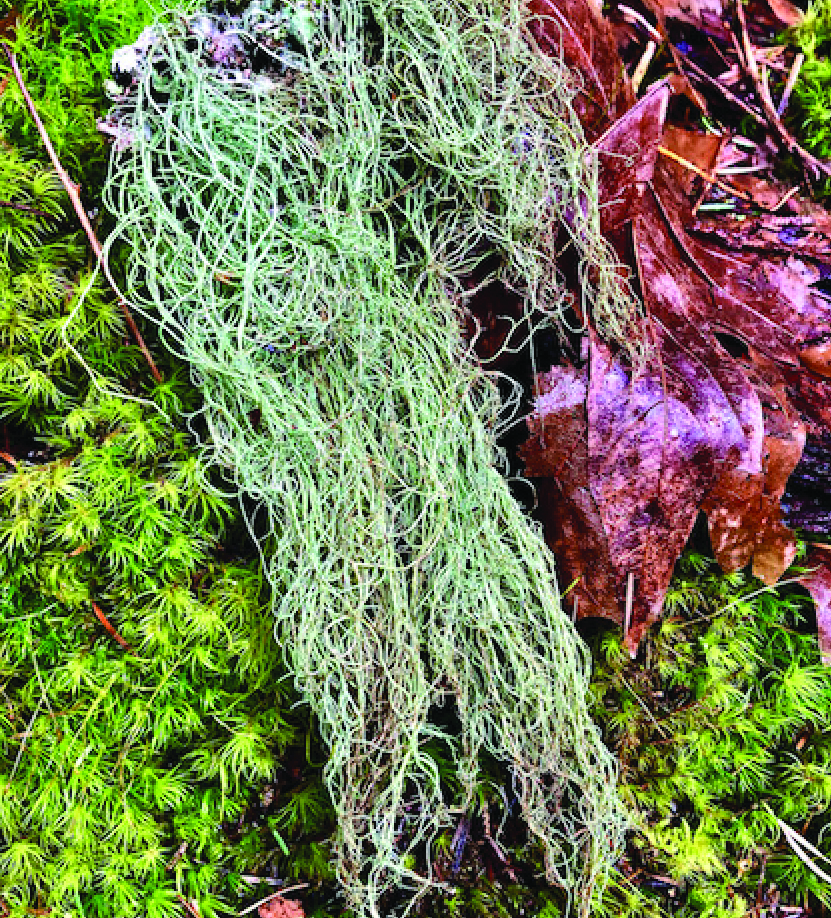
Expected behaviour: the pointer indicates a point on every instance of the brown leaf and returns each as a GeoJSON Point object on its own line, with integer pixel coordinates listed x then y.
{"type": "Point", "coordinates": [787, 14]}
{"type": "Point", "coordinates": [8, 24]}
{"type": "Point", "coordinates": [556, 456]}
{"type": "Point", "coordinates": [696, 147]}
{"type": "Point", "coordinates": [743, 510]}
{"type": "Point", "coordinates": [623, 457]}
{"type": "Point", "coordinates": [575, 32]}
{"type": "Point", "coordinates": [817, 357]}
{"type": "Point", "coordinates": [627, 153]}
{"type": "Point", "coordinates": [811, 397]}
{"type": "Point", "coordinates": [764, 301]}
{"type": "Point", "coordinates": [651, 460]}
{"type": "Point", "coordinates": [818, 583]}
{"type": "Point", "coordinates": [706, 15]}
{"type": "Point", "coordinates": [710, 17]}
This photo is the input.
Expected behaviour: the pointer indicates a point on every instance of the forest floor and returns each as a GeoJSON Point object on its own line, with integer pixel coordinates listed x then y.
{"type": "Point", "coordinates": [698, 570]}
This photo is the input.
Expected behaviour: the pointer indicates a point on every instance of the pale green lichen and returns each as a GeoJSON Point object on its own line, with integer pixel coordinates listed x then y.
{"type": "Point", "coordinates": [305, 246]}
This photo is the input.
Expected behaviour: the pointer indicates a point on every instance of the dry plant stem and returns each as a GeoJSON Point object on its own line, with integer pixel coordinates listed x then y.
{"type": "Point", "coordinates": [72, 189]}
{"type": "Point", "coordinates": [24, 207]}
{"type": "Point", "coordinates": [630, 597]}
{"type": "Point", "coordinates": [793, 76]}
{"type": "Point", "coordinates": [110, 629]}
{"type": "Point", "coordinates": [711, 179]}
{"type": "Point", "coordinates": [750, 65]}
{"type": "Point", "coordinates": [643, 65]}
{"type": "Point", "coordinates": [189, 908]}
{"type": "Point", "coordinates": [785, 198]}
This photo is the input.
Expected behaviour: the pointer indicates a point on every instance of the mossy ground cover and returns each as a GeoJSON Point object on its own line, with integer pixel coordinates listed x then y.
{"type": "Point", "coordinates": [131, 777]}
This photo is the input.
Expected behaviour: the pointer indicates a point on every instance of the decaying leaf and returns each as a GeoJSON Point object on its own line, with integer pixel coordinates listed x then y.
{"type": "Point", "coordinates": [626, 153]}
{"type": "Point", "coordinates": [624, 458]}
{"type": "Point", "coordinates": [576, 32]}
{"type": "Point", "coordinates": [712, 16]}
{"type": "Point", "coordinates": [556, 456]}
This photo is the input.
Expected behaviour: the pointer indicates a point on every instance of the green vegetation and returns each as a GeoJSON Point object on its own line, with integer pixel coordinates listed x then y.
{"type": "Point", "coordinates": [809, 115]}
{"type": "Point", "coordinates": [722, 725]}
{"type": "Point", "coordinates": [128, 777]}
{"type": "Point", "coordinates": [65, 48]}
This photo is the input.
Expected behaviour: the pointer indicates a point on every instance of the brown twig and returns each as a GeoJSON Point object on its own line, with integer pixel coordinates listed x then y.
{"type": "Point", "coordinates": [708, 177]}
{"type": "Point", "coordinates": [747, 58]}
{"type": "Point", "coordinates": [793, 76]}
{"type": "Point", "coordinates": [630, 596]}
{"type": "Point", "coordinates": [107, 624]}
{"type": "Point", "coordinates": [724, 90]}
{"type": "Point", "coordinates": [190, 909]}
{"type": "Point", "coordinates": [24, 207]}
{"type": "Point", "coordinates": [72, 189]}
{"type": "Point", "coordinates": [643, 65]}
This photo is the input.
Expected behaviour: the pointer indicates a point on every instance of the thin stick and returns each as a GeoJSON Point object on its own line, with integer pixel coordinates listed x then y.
{"type": "Point", "coordinates": [793, 76]}
{"type": "Point", "coordinates": [72, 190]}
{"type": "Point", "coordinates": [25, 207]}
{"type": "Point", "coordinates": [785, 198]}
{"type": "Point", "coordinates": [635, 18]}
{"type": "Point", "coordinates": [107, 624]}
{"type": "Point", "coordinates": [727, 93]}
{"type": "Point", "coordinates": [643, 65]}
{"type": "Point", "coordinates": [630, 596]}
{"type": "Point", "coordinates": [658, 725]}
{"type": "Point", "coordinates": [712, 179]}
{"type": "Point", "coordinates": [276, 895]}
{"type": "Point", "coordinates": [190, 909]}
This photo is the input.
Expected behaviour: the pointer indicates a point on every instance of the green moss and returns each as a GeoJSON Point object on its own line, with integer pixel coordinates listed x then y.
{"type": "Point", "coordinates": [64, 48]}
{"type": "Point", "coordinates": [809, 111]}
{"type": "Point", "coordinates": [721, 725]}
{"type": "Point", "coordinates": [127, 778]}
{"type": "Point", "coordinates": [111, 760]}
{"type": "Point", "coordinates": [179, 767]}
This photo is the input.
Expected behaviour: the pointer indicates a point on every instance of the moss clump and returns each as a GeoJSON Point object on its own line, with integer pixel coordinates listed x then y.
{"type": "Point", "coordinates": [809, 113]}
{"type": "Point", "coordinates": [112, 760]}
{"type": "Point", "coordinates": [721, 725]}
{"type": "Point", "coordinates": [65, 48]}
{"type": "Point", "coordinates": [128, 777]}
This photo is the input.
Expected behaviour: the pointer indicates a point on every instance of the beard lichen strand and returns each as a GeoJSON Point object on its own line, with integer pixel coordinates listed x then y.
{"type": "Point", "coordinates": [305, 251]}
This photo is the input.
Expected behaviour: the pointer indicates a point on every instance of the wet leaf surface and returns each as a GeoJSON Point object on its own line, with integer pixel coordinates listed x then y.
{"type": "Point", "coordinates": [623, 457]}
